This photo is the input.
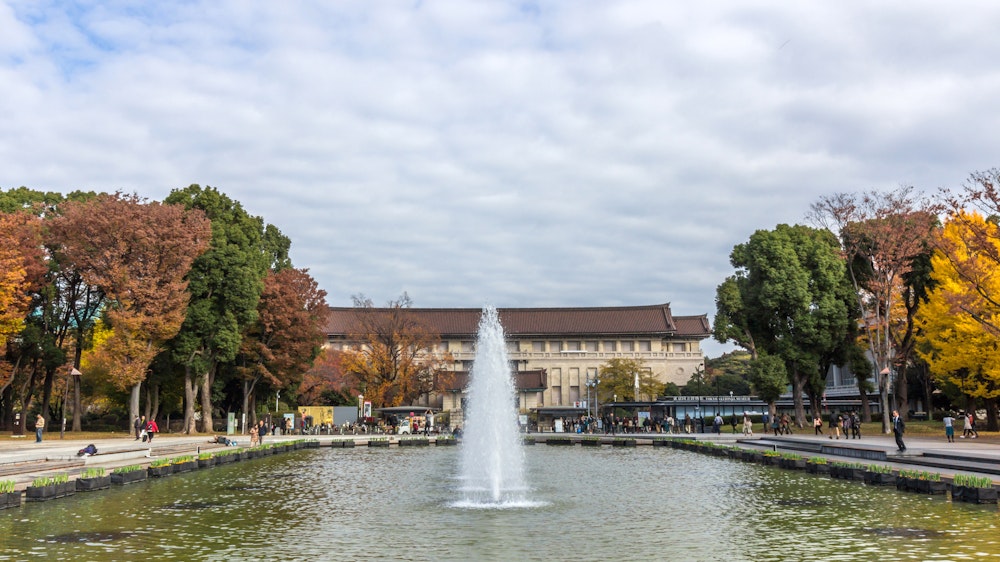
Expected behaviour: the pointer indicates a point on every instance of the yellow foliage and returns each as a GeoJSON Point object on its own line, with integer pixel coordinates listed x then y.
{"type": "Point", "coordinates": [957, 334]}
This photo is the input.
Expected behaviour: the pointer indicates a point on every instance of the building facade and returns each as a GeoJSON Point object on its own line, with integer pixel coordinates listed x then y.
{"type": "Point", "coordinates": [556, 351]}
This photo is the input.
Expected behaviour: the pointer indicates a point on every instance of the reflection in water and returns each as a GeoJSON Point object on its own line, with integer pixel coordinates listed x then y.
{"type": "Point", "coordinates": [597, 504]}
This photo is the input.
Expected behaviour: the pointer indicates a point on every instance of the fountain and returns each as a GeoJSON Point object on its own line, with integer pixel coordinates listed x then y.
{"type": "Point", "coordinates": [491, 466]}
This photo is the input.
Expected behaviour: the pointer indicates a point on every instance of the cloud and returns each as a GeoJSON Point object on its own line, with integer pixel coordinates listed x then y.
{"type": "Point", "coordinates": [525, 154]}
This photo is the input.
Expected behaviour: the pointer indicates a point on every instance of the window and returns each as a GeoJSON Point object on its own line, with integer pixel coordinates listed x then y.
{"type": "Point", "coordinates": [592, 346]}
{"type": "Point", "coordinates": [468, 347]}
{"type": "Point", "coordinates": [645, 345]}
{"type": "Point", "coordinates": [574, 375]}
{"type": "Point", "coordinates": [443, 346]}
{"type": "Point", "coordinates": [572, 346]}
{"type": "Point", "coordinates": [555, 346]}
{"type": "Point", "coordinates": [628, 346]}
{"type": "Point", "coordinates": [610, 346]}
{"type": "Point", "coordinates": [512, 347]}
{"type": "Point", "coordinates": [538, 346]}
{"type": "Point", "coordinates": [557, 396]}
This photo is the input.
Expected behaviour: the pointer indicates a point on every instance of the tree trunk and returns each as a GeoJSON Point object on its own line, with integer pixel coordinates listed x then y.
{"type": "Point", "coordinates": [866, 408]}
{"type": "Point", "coordinates": [798, 386]}
{"type": "Point", "coordinates": [991, 415]}
{"type": "Point", "coordinates": [77, 409]}
{"type": "Point", "coordinates": [903, 393]}
{"type": "Point", "coordinates": [883, 391]}
{"type": "Point", "coordinates": [133, 405]}
{"type": "Point", "coordinates": [206, 403]}
{"type": "Point", "coordinates": [155, 401]}
{"type": "Point", "coordinates": [190, 395]}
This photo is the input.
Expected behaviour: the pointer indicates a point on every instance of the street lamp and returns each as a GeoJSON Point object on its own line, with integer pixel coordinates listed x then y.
{"type": "Point", "coordinates": [592, 384]}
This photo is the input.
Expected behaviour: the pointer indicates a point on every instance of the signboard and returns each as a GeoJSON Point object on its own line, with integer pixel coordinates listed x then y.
{"type": "Point", "coordinates": [557, 425]}
{"type": "Point", "coordinates": [366, 412]}
{"type": "Point", "coordinates": [231, 423]}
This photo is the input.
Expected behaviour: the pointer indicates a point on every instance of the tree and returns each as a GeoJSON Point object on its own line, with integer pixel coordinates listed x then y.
{"type": "Point", "coordinates": [618, 378]}
{"type": "Point", "coordinates": [280, 347]}
{"type": "Point", "coordinates": [225, 282]}
{"type": "Point", "coordinates": [957, 335]}
{"type": "Point", "coordinates": [768, 379]}
{"type": "Point", "coordinates": [882, 234]}
{"type": "Point", "coordinates": [794, 300]}
{"type": "Point", "coordinates": [326, 383]}
{"type": "Point", "coordinates": [14, 297]}
{"type": "Point", "coordinates": [393, 357]}
{"type": "Point", "coordinates": [138, 253]}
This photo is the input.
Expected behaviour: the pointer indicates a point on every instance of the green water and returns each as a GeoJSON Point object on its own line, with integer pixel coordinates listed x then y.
{"type": "Point", "coordinates": [592, 504]}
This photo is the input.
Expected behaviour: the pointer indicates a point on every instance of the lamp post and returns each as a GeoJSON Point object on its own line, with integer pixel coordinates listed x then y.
{"type": "Point", "coordinates": [592, 384]}
{"type": "Point", "coordinates": [72, 373]}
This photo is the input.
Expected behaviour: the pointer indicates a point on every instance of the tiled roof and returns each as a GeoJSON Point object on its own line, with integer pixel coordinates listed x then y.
{"type": "Point", "coordinates": [527, 322]}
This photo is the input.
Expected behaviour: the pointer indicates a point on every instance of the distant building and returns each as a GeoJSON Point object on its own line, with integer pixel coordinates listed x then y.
{"type": "Point", "coordinates": [554, 351]}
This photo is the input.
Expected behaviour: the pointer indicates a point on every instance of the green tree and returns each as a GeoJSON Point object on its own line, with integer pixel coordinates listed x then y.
{"type": "Point", "coordinates": [769, 379]}
{"type": "Point", "coordinates": [225, 284]}
{"type": "Point", "coordinates": [618, 378]}
{"type": "Point", "coordinates": [795, 300]}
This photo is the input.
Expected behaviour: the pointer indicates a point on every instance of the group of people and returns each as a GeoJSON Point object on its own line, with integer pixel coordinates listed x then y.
{"type": "Point", "coordinates": [848, 423]}
{"type": "Point", "coordinates": [145, 430]}
{"type": "Point", "coordinates": [968, 429]}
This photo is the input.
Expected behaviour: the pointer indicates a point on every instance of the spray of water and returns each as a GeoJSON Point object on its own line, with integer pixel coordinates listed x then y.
{"type": "Point", "coordinates": [491, 466]}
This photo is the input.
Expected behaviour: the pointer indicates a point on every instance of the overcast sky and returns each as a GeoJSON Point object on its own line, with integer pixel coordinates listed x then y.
{"type": "Point", "coordinates": [564, 153]}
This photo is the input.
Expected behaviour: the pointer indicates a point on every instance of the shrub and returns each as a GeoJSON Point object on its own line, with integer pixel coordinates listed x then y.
{"type": "Point", "coordinates": [6, 486]}
{"type": "Point", "coordinates": [42, 481]}
{"type": "Point", "coordinates": [879, 469]}
{"type": "Point", "coordinates": [791, 456]}
{"type": "Point", "coordinates": [843, 464]}
{"type": "Point", "coordinates": [182, 459]}
{"type": "Point", "coordinates": [159, 463]}
{"type": "Point", "coordinates": [127, 468]}
{"type": "Point", "coordinates": [61, 478]}
{"type": "Point", "coordinates": [204, 456]}
{"type": "Point", "coordinates": [818, 460]}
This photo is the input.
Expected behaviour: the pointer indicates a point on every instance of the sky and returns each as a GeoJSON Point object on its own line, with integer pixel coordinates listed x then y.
{"type": "Point", "coordinates": [519, 154]}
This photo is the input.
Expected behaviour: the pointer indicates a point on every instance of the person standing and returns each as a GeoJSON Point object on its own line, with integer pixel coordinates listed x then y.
{"type": "Point", "coordinates": [717, 423]}
{"type": "Point", "coordinates": [855, 426]}
{"type": "Point", "coordinates": [898, 428]}
{"type": "Point", "coordinates": [835, 425]}
{"type": "Point", "coordinates": [747, 424]}
{"type": "Point", "coordinates": [39, 428]}
{"type": "Point", "coordinates": [949, 427]}
{"type": "Point", "coordinates": [261, 431]}
{"type": "Point", "coordinates": [139, 424]}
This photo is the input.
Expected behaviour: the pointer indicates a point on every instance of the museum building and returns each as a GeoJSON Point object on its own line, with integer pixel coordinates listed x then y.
{"type": "Point", "coordinates": [554, 352]}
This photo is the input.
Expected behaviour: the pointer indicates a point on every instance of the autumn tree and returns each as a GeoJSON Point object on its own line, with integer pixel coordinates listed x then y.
{"type": "Point", "coordinates": [326, 383]}
{"type": "Point", "coordinates": [957, 334]}
{"type": "Point", "coordinates": [281, 345]}
{"type": "Point", "coordinates": [226, 282]}
{"type": "Point", "coordinates": [393, 356]}
{"type": "Point", "coordinates": [882, 234]}
{"type": "Point", "coordinates": [56, 317]}
{"type": "Point", "coordinates": [138, 253]}
{"type": "Point", "coordinates": [618, 377]}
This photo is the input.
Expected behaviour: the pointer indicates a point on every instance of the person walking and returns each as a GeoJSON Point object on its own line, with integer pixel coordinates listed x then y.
{"type": "Point", "coordinates": [898, 428]}
{"type": "Point", "coordinates": [835, 425]}
{"type": "Point", "coordinates": [855, 426]}
{"type": "Point", "coordinates": [717, 423]}
{"type": "Point", "coordinates": [817, 425]}
{"type": "Point", "coordinates": [151, 429]}
{"type": "Point", "coordinates": [747, 425]}
{"type": "Point", "coordinates": [949, 427]}
{"type": "Point", "coordinates": [39, 428]}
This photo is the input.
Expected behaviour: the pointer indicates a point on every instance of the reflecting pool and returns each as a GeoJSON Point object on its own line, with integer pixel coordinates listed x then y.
{"type": "Point", "coordinates": [590, 504]}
